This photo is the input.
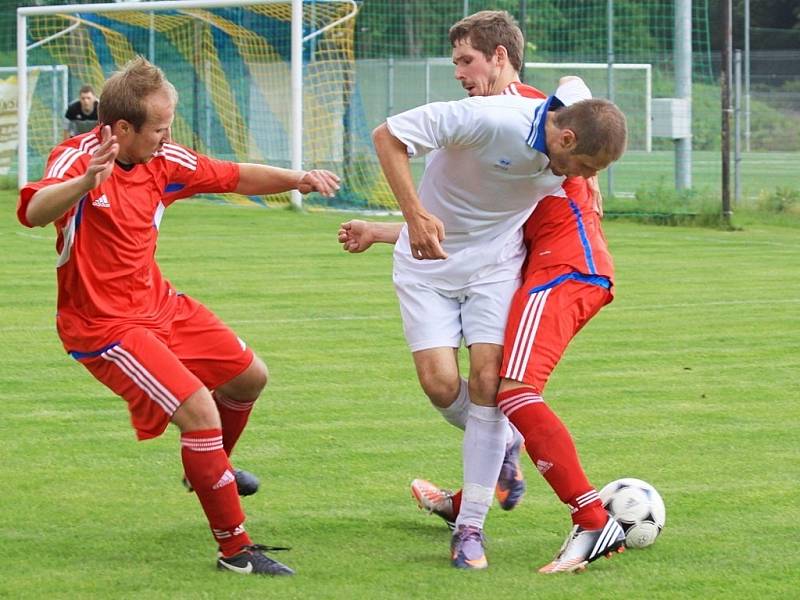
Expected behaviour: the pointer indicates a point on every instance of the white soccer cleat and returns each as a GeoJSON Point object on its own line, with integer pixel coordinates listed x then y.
{"type": "Point", "coordinates": [434, 500]}
{"type": "Point", "coordinates": [583, 546]}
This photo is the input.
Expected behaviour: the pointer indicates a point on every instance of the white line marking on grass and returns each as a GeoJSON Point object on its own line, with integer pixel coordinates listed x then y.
{"type": "Point", "coordinates": [704, 304]}
{"type": "Point", "coordinates": [34, 236]}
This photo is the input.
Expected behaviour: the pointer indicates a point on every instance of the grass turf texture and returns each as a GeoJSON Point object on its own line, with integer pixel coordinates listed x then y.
{"type": "Point", "coordinates": [688, 380]}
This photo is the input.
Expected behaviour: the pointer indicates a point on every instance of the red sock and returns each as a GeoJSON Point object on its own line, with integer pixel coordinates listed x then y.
{"type": "Point", "coordinates": [234, 416]}
{"type": "Point", "coordinates": [553, 452]}
{"type": "Point", "coordinates": [210, 473]}
{"type": "Point", "coordinates": [456, 503]}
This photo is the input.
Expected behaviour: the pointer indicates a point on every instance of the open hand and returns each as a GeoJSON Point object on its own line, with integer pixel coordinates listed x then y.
{"type": "Point", "coordinates": [102, 162]}
{"type": "Point", "coordinates": [597, 197]}
{"type": "Point", "coordinates": [319, 180]}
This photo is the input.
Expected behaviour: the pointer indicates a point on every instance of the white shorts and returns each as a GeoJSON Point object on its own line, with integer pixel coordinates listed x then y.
{"type": "Point", "coordinates": [435, 318]}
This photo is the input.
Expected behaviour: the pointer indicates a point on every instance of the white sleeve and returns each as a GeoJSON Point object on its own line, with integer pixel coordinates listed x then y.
{"type": "Point", "coordinates": [438, 125]}
{"type": "Point", "coordinates": [573, 90]}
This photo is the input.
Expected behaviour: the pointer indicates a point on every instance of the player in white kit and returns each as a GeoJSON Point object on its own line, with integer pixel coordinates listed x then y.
{"type": "Point", "coordinates": [458, 260]}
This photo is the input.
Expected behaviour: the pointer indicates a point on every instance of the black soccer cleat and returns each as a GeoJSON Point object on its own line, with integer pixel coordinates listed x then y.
{"type": "Point", "coordinates": [252, 561]}
{"type": "Point", "coordinates": [247, 484]}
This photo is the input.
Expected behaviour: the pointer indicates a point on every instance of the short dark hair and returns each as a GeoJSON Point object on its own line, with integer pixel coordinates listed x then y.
{"type": "Point", "coordinates": [488, 29]}
{"type": "Point", "coordinates": [86, 89]}
{"type": "Point", "coordinates": [598, 124]}
{"type": "Point", "coordinates": [125, 92]}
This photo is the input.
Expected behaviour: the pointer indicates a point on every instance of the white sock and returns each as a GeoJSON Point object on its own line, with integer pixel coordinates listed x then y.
{"type": "Point", "coordinates": [456, 413]}
{"type": "Point", "coordinates": [484, 448]}
{"type": "Point", "coordinates": [512, 435]}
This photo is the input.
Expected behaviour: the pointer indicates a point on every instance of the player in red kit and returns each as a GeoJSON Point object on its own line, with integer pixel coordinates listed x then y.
{"type": "Point", "coordinates": [165, 354]}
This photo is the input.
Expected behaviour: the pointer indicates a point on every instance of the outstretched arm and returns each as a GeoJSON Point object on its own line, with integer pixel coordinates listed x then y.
{"type": "Point", "coordinates": [357, 236]}
{"type": "Point", "coordinates": [425, 231]}
{"type": "Point", "coordinates": [258, 180]}
{"type": "Point", "coordinates": [49, 203]}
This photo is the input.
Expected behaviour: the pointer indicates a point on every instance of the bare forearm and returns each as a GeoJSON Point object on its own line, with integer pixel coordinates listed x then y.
{"type": "Point", "coordinates": [386, 233]}
{"type": "Point", "coordinates": [258, 180]}
{"type": "Point", "coordinates": [394, 161]}
{"type": "Point", "coordinates": [51, 202]}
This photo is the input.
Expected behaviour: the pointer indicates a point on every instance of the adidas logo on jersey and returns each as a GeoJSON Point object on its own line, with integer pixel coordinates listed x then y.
{"type": "Point", "coordinates": [101, 202]}
{"type": "Point", "coordinates": [543, 466]}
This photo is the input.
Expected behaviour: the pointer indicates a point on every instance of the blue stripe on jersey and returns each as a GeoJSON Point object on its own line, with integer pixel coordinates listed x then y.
{"type": "Point", "coordinates": [174, 187]}
{"type": "Point", "coordinates": [79, 355]}
{"type": "Point", "coordinates": [587, 247]}
{"type": "Point", "coordinates": [79, 211]}
{"type": "Point", "coordinates": [536, 138]}
{"type": "Point", "coordinates": [598, 280]}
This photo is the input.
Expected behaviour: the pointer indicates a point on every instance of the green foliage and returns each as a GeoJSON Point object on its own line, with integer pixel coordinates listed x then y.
{"type": "Point", "coordinates": [780, 200]}
{"type": "Point", "coordinates": [660, 203]}
{"type": "Point", "coordinates": [687, 380]}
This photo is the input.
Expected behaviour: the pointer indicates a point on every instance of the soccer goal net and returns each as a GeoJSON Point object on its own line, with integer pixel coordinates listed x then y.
{"type": "Point", "coordinates": [231, 62]}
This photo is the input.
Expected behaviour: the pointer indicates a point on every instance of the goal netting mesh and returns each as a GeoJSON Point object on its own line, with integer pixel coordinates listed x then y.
{"type": "Point", "coordinates": [231, 67]}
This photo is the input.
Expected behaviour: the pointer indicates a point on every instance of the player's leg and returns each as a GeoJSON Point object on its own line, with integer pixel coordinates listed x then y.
{"type": "Point", "coordinates": [540, 327]}
{"type": "Point", "coordinates": [158, 389]}
{"type": "Point", "coordinates": [483, 314]}
{"type": "Point", "coordinates": [223, 362]}
{"type": "Point", "coordinates": [483, 450]}
{"type": "Point", "coordinates": [210, 473]}
{"type": "Point", "coordinates": [438, 374]}
{"type": "Point", "coordinates": [432, 327]}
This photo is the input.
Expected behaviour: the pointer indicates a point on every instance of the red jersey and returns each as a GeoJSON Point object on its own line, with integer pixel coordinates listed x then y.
{"type": "Point", "coordinates": [108, 278]}
{"type": "Point", "coordinates": [565, 231]}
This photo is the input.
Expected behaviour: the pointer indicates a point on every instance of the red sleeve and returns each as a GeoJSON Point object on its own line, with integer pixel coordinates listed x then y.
{"type": "Point", "coordinates": [64, 163]}
{"type": "Point", "coordinates": [190, 173]}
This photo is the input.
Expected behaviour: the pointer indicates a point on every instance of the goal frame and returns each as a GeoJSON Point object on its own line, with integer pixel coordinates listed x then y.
{"type": "Point", "coordinates": [297, 40]}
{"type": "Point", "coordinates": [648, 85]}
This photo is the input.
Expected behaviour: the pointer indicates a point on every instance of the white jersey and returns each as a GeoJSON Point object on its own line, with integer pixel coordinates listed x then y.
{"type": "Point", "coordinates": [483, 183]}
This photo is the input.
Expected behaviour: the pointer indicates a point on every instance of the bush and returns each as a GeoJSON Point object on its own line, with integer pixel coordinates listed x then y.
{"type": "Point", "coordinates": [780, 200]}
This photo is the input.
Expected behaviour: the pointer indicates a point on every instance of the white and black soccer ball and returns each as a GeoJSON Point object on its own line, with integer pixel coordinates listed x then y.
{"type": "Point", "coordinates": [638, 508]}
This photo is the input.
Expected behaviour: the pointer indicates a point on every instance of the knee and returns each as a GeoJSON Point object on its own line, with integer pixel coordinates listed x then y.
{"type": "Point", "coordinates": [258, 377]}
{"type": "Point", "coordinates": [197, 412]}
{"type": "Point", "coordinates": [247, 387]}
{"type": "Point", "coordinates": [442, 391]}
{"type": "Point", "coordinates": [483, 386]}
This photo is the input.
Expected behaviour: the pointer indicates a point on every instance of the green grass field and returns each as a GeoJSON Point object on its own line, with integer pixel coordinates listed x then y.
{"type": "Point", "coordinates": [688, 380]}
{"type": "Point", "coordinates": [760, 171]}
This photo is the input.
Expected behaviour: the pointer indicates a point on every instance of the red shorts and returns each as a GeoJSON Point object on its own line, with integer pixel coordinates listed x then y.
{"type": "Point", "coordinates": [155, 370]}
{"type": "Point", "coordinates": [544, 319]}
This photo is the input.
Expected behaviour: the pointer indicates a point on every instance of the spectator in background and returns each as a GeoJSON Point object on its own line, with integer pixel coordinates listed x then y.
{"type": "Point", "coordinates": [81, 115]}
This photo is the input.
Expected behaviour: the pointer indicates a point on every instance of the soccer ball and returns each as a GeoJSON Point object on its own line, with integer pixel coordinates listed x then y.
{"type": "Point", "coordinates": [637, 507]}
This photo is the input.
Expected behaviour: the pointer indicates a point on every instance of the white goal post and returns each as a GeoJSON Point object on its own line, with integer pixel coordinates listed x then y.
{"type": "Point", "coordinates": [74, 11]}
{"type": "Point", "coordinates": [646, 68]}
{"type": "Point", "coordinates": [59, 95]}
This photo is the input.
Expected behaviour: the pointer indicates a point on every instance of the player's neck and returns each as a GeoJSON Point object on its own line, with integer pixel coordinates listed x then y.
{"type": "Point", "coordinates": [505, 80]}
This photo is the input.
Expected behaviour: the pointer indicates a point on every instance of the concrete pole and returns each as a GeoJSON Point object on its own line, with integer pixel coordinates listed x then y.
{"type": "Point", "coordinates": [683, 89]}
{"type": "Point", "coordinates": [737, 126]}
{"type": "Point", "coordinates": [727, 47]}
{"type": "Point", "coordinates": [747, 74]}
